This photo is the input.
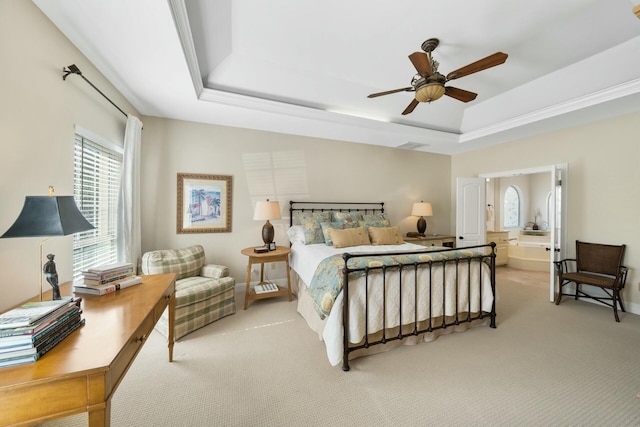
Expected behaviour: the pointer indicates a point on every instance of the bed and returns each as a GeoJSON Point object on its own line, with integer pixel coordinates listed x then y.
{"type": "Point", "coordinates": [363, 290]}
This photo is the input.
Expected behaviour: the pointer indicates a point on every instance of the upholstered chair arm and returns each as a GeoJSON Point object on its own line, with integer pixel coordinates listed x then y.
{"type": "Point", "coordinates": [215, 271]}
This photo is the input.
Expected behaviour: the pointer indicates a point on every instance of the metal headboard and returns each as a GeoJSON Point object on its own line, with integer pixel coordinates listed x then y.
{"type": "Point", "coordinates": [364, 207]}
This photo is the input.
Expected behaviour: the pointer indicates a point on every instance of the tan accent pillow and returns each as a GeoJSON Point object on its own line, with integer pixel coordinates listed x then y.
{"type": "Point", "coordinates": [385, 236]}
{"type": "Point", "coordinates": [348, 237]}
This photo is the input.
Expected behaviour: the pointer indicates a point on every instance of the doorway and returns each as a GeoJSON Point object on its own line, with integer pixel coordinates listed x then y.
{"type": "Point", "coordinates": [555, 205]}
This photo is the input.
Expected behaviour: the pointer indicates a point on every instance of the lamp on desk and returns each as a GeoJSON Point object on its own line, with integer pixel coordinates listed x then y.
{"type": "Point", "coordinates": [422, 209]}
{"type": "Point", "coordinates": [265, 211]}
{"type": "Point", "coordinates": [48, 216]}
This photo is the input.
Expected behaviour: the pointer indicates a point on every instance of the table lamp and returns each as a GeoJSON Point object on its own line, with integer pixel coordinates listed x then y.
{"type": "Point", "coordinates": [48, 216]}
{"type": "Point", "coordinates": [422, 209]}
{"type": "Point", "coordinates": [265, 211]}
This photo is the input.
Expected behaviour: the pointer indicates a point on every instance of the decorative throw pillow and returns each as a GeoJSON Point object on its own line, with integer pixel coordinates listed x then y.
{"type": "Point", "coordinates": [349, 237]}
{"type": "Point", "coordinates": [385, 236]}
{"type": "Point", "coordinates": [310, 222]}
{"type": "Point", "coordinates": [349, 217]}
{"type": "Point", "coordinates": [326, 226]}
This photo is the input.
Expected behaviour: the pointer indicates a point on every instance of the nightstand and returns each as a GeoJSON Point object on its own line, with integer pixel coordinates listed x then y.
{"type": "Point", "coordinates": [433, 240]}
{"type": "Point", "coordinates": [280, 254]}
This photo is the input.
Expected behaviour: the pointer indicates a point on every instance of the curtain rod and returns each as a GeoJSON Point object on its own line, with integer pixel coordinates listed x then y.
{"type": "Point", "coordinates": [73, 69]}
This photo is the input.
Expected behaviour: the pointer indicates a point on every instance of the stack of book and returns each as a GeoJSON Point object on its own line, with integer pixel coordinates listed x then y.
{"type": "Point", "coordinates": [31, 330]}
{"type": "Point", "coordinates": [106, 279]}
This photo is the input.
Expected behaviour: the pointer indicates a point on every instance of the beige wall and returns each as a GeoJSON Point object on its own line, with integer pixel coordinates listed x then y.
{"type": "Point", "coordinates": [316, 169]}
{"type": "Point", "coordinates": [38, 112]}
{"type": "Point", "coordinates": [603, 193]}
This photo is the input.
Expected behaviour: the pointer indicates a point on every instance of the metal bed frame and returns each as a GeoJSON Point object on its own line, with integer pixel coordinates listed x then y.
{"type": "Point", "coordinates": [410, 325]}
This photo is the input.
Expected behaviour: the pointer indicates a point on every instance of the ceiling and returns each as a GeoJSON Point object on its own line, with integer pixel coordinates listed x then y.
{"type": "Point", "coordinates": [306, 67]}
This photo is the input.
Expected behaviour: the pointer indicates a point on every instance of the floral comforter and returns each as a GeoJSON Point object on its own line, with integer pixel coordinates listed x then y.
{"type": "Point", "coordinates": [328, 279]}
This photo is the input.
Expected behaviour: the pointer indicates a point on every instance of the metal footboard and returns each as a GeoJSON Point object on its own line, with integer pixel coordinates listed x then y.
{"type": "Point", "coordinates": [410, 323]}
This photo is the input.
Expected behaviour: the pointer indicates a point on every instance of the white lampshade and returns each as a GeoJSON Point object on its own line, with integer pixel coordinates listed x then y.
{"type": "Point", "coordinates": [422, 209]}
{"type": "Point", "coordinates": [267, 210]}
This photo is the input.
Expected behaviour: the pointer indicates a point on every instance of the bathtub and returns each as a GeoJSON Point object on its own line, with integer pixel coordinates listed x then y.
{"type": "Point", "coordinates": [529, 255]}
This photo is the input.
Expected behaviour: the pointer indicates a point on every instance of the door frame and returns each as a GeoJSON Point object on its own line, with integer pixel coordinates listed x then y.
{"type": "Point", "coordinates": [558, 231]}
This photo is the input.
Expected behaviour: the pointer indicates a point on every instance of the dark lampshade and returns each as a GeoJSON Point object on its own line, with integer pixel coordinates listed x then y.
{"type": "Point", "coordinates": [45, 216]}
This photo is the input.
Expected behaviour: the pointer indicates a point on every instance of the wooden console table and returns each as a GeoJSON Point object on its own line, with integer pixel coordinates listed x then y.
{"type": "Point", "coordinates": [82, 372]}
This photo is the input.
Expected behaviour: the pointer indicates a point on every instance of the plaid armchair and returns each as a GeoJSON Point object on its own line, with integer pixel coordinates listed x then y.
{"type": "Point", "coordinates": [204, 293]}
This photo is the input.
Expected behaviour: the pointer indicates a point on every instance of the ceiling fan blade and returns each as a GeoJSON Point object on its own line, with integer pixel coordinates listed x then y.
{"type": "Point", "coordinates": [404, 89]}
{"type": "Point", "coordinates": [410, 107]}
{"type": "Point", "coordinates": [420, 60]}
{"type": "Point", "coordinates": [460, 94]}
{"type": "Point", "coordinates": [488, 62]}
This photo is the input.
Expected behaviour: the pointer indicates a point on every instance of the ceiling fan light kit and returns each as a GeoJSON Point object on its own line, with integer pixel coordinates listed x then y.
{"type": "Point", "coordinates": [429, 84]}
{"type": "Point", "coordinates": [430, 92]}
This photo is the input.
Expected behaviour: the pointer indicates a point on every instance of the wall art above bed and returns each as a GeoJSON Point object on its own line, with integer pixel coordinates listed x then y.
{"type": "Point", "coordinates": [204, 203]}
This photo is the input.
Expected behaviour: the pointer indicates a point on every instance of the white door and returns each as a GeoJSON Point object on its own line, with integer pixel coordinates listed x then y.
{"type": "Point", "coordinates": [558, 223]}
{"type": "Point", "coordinates": [470, 212]}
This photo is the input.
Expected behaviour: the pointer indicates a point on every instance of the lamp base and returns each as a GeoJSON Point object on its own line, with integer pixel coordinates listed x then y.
{"type": "Point", "coordinates": [51, 274]}
{"type": "Point", "coordinates": [422, 226]}
{"type": "Point", "coordinates": [267, 233]}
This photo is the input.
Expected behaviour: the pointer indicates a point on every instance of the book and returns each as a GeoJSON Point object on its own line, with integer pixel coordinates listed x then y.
{"type": "Point", "coordinates": [107, 288]}
{"type": "Point", "coordinates": [19, 333]}
{"type": "Point", "coordinates": [112, 278]}
{"type": "Point", "coordinates": [19, 360]}
{"type": "Point", "coordinates": [30, 313]}
{"type": "Point", "coordinates": [22, 341]}
{"type": "Point", "coordinates": [266, 288]}
{"type": "Point", "coordinates": [31, 350]}
{"type": "Point", "coordinates": [110, 268]}
{"type": "Point", "coordinates": [44, 341]}
{"type": "Point", "coordinates": [62, 335]}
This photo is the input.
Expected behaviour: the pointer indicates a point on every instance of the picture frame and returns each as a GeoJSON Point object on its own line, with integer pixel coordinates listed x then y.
{"type": "Point", "coordinates": [272, 246]}
{"type": "Point", "coordinates": [204, 203]}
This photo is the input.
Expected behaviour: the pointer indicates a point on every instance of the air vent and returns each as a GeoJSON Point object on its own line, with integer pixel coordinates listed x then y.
{"type": "Point", "coordinates": [411, 146]}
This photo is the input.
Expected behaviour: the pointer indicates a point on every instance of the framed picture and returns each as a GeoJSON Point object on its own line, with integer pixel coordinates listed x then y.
{"type": "Point", "coordinates": [204, 203]}
{"type": "Point", "coordinates": [272, 246]}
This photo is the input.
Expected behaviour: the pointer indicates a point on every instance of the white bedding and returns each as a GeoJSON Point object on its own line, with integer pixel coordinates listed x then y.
{"type": "Point", "coordinates": [305, 259]}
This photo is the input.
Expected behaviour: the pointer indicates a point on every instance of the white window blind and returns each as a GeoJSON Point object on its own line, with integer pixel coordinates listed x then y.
{"type": "Point", "coordinates": [96, 183]}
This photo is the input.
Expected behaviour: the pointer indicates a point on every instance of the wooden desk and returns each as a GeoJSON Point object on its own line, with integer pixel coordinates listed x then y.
{"type": "Point", "coordinates": [82, 372]}
{"type": "Point", "coordinates": [281, 254]}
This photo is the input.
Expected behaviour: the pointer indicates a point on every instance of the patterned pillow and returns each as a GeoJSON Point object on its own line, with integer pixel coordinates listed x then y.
{"type": "Point", "coordinates": [299, 218]}
{"type": "Point", "coordinates": [385, 236]}
{"type": "Point", "coordinates": [326, 226]}
{"type": "Point", "coordinates": [377, 223]}
{"type": "Point", "coordinates": [349, 237]}
{"type": "Point", "coordinates": [380, 216]}
{"type": "Point", "coordinates": [351, 217]}
{"type": "Point", "coordinates": [311, 223]}
{"type": "Point", "coordinates": [296, 234]}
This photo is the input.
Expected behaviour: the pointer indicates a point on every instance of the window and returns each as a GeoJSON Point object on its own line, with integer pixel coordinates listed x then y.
{"type": "Point", "coordinates": [96, 185]}
{"type": "Point", "coordinates": [511, 207]}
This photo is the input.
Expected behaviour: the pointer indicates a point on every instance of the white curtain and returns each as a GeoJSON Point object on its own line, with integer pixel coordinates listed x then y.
{"type": "Point", "coordinates": [129, 240]}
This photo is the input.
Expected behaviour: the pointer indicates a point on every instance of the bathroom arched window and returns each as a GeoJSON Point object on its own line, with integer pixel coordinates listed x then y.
{"type": "Point", "coordinates": [511, 207]}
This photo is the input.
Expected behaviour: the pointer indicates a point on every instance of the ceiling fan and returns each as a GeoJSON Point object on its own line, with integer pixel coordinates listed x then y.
{"type": "Point", "coordinates": [429, 84]}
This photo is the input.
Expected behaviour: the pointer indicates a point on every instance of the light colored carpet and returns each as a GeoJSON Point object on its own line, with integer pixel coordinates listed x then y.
{"type": "Point", "coordinates": [544, 365]}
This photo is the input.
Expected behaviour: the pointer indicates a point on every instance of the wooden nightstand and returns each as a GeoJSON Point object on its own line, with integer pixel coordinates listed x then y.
{"type": "Point", "coordinates": [281, 254]}
{"type": "Point", "coordinates": [433, 240]}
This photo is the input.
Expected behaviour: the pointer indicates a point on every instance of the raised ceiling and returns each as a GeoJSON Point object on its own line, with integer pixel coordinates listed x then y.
{"type": "Point", "coordinates": [306, 67]}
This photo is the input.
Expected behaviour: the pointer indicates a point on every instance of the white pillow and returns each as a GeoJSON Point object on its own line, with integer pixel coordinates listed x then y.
{"type": "Point", "coordinates": [296, 234]}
